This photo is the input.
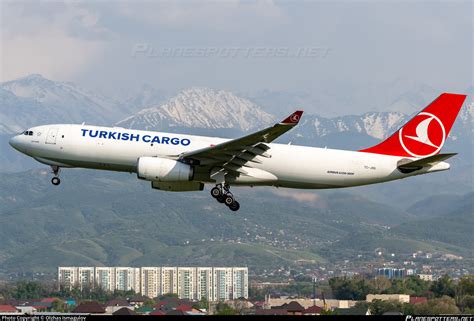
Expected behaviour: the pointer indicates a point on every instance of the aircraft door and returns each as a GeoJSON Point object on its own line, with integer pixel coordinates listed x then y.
{"type": "Point", "coordinates": [52, 135]}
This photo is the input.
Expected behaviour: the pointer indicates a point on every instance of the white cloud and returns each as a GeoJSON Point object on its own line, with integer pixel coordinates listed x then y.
{"type": "Point", "coordinates": [58, 40]}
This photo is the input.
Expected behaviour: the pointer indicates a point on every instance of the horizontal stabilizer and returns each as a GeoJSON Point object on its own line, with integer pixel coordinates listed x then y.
{"type": "Point", "coordinates": [408, 165]}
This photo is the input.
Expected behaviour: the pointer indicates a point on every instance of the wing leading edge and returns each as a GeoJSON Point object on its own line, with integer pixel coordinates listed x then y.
{"type": "Point", "coordinates": [234, 154]}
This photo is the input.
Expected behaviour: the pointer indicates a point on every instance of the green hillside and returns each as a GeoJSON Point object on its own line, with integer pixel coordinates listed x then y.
{"type": "Point", "coordinates": [453, 228]}
{"type": "Point", "coordinates": [96, 218]}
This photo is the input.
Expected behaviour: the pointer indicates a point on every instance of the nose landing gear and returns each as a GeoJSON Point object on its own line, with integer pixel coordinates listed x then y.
{"type": "Point", "coordinates": [55, 180]}
{"type": "Point", "coordinates": [221, 192]}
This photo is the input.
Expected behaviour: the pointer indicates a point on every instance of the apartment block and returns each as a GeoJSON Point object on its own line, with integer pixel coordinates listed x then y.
{"type": "Point", "coordinates": [67, 277]}
{"type": "Point", "coordinates": [222, 283]}
{"type": "Point", "coordinates": [204, 283]}
{"type": "Point", "coordinates": [240, 284]}
{"type": "Point", "coordinates": [105, 278]}
{"type": "Point", "coordinates": [127, 278]}
{"type": "Point", "coordinates": [187, 283]}
{"type": "Point", "coordinates": [169, 280]}
{"type": "Point", "coordinates": [150, 280]}
{"type": "Point", "coordinates": [194, 283]}
{"type": "Point", "coordinates": [85, 277]}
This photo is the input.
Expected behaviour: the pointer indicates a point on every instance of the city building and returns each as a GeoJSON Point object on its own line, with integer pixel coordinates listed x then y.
{"type": "Point", "coordinates": [187, 283]}
{"type": "Point", "coordinates": [150, 281]}
{"type": "Point", "coordinates": [402, 298]}
{"type": "Point", "coordinates": [240, 287]}
{"type": "Point", "coordinates": [222, 284]}
{"type": "Point", "coordinates": [127, 278]}
{"type": "Point", "coordinates": [193, 283]}
{"type": "Point", "coordinates": [169, 280]}
{"type": "Point", "coordinates": [426, 277]}
{"type": "Point", "coordinates": [85, 277]}
{"type": "Point", "coordinates": [68, 277]}
{"type": "Point", "coordinates": [105, 278]}
{"type": "Point", "coordinates": [204, 283]}
{"type": "Point", "coordinates": [391, 273]}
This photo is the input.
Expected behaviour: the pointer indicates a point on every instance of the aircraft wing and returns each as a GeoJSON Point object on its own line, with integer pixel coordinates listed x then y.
{"type": "Point", "coordinates": [234, 154]}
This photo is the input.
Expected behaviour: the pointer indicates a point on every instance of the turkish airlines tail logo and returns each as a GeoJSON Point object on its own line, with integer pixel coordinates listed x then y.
{"type": "Point", "coordinates": [424, 135]}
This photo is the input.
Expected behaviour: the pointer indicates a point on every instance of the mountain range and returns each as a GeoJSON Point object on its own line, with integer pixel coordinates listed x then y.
{"type": "Point", "coordinates": [97, 218]}
{"type": "Point", "coordinates": [35, 100]}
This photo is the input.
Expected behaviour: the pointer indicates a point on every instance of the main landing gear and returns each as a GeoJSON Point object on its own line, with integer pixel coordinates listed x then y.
{"type": "Point", "coordinates": [55, 180]}
{"type": "Point", "coordinates": [222, 194]}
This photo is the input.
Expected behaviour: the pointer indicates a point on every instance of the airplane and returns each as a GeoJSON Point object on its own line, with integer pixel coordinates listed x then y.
{"type": "Point", "coordinates": [179, 163]}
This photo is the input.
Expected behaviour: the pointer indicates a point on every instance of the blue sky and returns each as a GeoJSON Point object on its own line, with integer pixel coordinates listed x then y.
{"type": "Point", "coordinates": [340, 45]}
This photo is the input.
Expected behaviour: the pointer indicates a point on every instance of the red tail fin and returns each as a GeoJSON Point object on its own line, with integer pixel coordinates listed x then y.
{"type": "Point", "coordinates": [424, 135]}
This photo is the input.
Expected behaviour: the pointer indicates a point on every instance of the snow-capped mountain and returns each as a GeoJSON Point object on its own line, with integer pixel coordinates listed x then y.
{"type": "Point", "coordinates": [35, 100]}
{"type": "Point", "coordinates": [377, 125]}
{"type": "Point", "coordinates": [201, 108]}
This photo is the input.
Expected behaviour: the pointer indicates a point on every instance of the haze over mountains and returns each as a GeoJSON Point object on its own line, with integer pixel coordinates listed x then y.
{"type": "Point", "coordinates": [112, 218]}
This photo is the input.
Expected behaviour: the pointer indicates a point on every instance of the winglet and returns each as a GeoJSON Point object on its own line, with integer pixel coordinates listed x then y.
{"type": "Point", "coordinates": [293, 119]}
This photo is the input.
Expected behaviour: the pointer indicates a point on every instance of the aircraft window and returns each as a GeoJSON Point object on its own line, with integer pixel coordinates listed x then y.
{"type": "Point", "coordinates": [25, 133]}
{"type": "Point", "coordinates": [30, 133]}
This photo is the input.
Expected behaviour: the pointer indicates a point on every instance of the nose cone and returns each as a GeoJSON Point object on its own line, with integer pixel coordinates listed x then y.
{"type": "Point", "coordinates": [15, 143]}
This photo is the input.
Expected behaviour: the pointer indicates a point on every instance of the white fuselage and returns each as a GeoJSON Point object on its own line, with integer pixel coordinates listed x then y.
{"type": "Point", "coordinates": [118, 149]}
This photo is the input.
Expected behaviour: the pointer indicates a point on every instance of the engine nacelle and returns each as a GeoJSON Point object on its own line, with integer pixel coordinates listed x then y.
{"type": "Point", "coordinates": [163, 170]}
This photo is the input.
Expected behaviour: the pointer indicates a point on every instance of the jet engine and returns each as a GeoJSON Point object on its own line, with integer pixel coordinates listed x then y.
{"type": "Point", "coordinates": [163, 170]}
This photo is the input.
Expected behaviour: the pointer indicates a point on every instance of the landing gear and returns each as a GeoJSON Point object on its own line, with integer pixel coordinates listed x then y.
{"type": "Point", "coordinates": [234, 206]}
{"type": "Point", "coordinates": [55, 180]}
{"type": "Point", "coordinates": [220, 198]}
{"type": "Point", "coordinates": [221, 192]}
{"type": "Point", "coordinates": [216, 191]}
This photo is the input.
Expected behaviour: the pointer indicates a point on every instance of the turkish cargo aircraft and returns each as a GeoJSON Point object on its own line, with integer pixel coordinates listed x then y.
{"type": "Point", "coordinates": [174, 162]}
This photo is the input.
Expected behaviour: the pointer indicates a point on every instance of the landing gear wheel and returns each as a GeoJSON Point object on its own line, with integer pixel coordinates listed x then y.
{"type": "Point", "coordinates": [216, 192]}
{"type": "Point", "coordinates": [229, 200]}
{"type": "Point", "coordinates": [55, 181]}
{"type": "Point", "coordinates": [221, 199]}
{"type": "Point", "coordinates": [234, 206]}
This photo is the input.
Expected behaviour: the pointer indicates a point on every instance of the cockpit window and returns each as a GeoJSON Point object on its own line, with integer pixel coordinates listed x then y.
{"type": "Point", "coordinates": [28, 133]}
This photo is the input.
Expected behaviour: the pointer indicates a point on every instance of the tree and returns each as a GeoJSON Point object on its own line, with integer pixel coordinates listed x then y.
{"type": "Point", "coordinates": [149, 303]}
{"type": "Point", "coordinates": [28, 290]}
{"type": "Point", "coordinates": [465, 293]}
{"type": "Point", "coordinates": [203, 304]}
{"type": "Point", "coordinates": [224, 309]}
{"type": "Point", "coordinates": [467, 303]}
{"type": "Point", "coordinates": [350, 288]}
{"type": "Point", "coordinates": [379, 307]}
{"type": "Point", "coordinates": [443, 286]}
{"type": "Point", "coordinates": [380, 284]}
{"type": "Point", "coordinates": [466, 285]}
{"type": "Point", "coordinates": [444, 305]}
{"type": "Point", "coordinates": [58, 306]}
